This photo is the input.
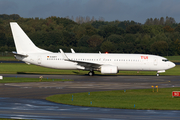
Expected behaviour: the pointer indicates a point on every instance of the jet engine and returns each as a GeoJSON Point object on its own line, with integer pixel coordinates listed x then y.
{"type": "Point", "coordinates": [109, 69]}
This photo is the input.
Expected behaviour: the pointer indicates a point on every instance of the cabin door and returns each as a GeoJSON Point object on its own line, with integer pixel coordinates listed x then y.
{"type": "Point", "coordinates": [39, 60]}
{"type": "Point", "coordinates": [155, 61]}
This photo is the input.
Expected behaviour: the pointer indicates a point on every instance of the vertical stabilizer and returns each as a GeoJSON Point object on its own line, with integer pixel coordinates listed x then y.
{"type": "Point", "coordinates": [22, 42]}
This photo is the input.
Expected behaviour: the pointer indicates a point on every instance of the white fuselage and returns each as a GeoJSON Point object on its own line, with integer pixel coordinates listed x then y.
{"type": "Point", "coordinates": [139, 62]}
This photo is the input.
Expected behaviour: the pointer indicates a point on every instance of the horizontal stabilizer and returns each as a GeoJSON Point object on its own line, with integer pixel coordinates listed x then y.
{"type": "Point", "coordinates": [23, 55]}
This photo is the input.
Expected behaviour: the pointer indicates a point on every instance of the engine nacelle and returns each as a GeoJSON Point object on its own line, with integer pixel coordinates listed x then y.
{"type": "Point", "coordinates": [109, 69]}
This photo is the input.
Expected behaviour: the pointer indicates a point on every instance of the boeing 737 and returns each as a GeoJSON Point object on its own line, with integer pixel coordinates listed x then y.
{"type": "Point", "coordinates": [106, 63]}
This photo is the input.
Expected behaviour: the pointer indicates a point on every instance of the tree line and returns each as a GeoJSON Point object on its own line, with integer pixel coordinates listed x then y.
{"type": "Point", "coordinates": [85, 34]}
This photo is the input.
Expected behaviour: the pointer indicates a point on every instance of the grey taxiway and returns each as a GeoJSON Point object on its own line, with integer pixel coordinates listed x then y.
{"type": "Point", "coordinates": [26, 100]}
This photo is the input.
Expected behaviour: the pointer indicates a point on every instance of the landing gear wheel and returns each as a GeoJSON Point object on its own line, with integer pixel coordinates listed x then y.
{"type": "Point", "coordinates": [157, 74]}
{"type": "Point", "coordinates": [91, 73]}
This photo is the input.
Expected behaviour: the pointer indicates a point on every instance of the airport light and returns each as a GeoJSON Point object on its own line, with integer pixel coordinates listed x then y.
{"type": "Point", "coordinates": [152, 87]}
{"type": "Point", "coordinates": [157, 88]}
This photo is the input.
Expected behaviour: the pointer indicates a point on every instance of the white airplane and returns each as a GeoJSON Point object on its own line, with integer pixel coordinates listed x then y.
{"type": "Point", "coordinates": [104, 62]}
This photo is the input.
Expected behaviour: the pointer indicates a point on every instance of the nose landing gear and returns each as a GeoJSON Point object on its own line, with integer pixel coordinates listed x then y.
{"type": "Point", "coordinates": [157, 74]}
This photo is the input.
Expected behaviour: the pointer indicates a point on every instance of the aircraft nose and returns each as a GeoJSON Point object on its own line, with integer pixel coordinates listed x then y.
{"type": "Point", "coordinates": [171, 65]}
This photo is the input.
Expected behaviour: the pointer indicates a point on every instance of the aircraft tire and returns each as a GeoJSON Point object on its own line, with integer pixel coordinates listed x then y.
{"type": "Point", "coordinates": [91, 73]}
{"type": "Point", "coordinates": [157, 74]}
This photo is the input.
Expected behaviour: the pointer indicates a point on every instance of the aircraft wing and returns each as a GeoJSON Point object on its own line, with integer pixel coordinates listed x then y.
{"type": "Point", "coordinates": [81, 63]}
{"type": "Point", "coordinates": [87, 64]}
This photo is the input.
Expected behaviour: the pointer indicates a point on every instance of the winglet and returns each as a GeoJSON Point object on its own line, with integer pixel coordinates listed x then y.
{"type": "Point", "coordinates": [72, 51]}
{"type": "Point", "coordinates": [64, 55]}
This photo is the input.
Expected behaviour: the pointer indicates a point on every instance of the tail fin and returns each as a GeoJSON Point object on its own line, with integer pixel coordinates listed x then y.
{"type": "Point", "coordinates": [22, 42]}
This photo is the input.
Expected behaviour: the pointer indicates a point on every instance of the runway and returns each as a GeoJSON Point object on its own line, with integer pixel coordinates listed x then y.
{"type": "Point", "coordinates": [26, 100]}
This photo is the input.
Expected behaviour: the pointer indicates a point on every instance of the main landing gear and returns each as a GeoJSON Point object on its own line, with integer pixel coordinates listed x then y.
{"type": "Point", "coordinates": [91, 73]}
{"type": "Point", "coordinates": [157, 74]}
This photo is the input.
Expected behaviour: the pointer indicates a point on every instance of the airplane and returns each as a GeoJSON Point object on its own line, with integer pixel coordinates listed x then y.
{"type": "Point", "coordinates": [106, 63]}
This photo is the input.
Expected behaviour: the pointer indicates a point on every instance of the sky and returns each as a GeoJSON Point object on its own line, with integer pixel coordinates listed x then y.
{"type": "Point", "coordinates": [110, 10]}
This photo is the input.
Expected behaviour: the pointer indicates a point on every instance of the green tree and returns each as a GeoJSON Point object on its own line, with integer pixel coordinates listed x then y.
{"type": "Point", "coordinates": [177, 29]}
{"type": "Point", "coordinates": [146, 29]}
{"type": "Point", "coordinates": [97, 24]}
{"type": "Point", "coordinates": [168, 29]}
{"type": "Point", "coordinates": [95, 41]}
{"type": "Point", "coordinates": [83, 41]}
{"type": "Point", "coordinates": [106, 31]}
{"type": "Point", "coordinates": [177, 46]}
{"type": "Point", "coordinates": [90, 30]}
{"type": "Point", "coordinates": [108, 46]}
{"type": "Point", "coordinates": [160, 48]}
{"type": "Point", "coordinates": [2, 36]}
{"type": "Point", "coordinates": [133, 29]}
{"type": "Point", "coordinates": [115, 38]}
{"type": "Point", "coordinates": [69, 38]}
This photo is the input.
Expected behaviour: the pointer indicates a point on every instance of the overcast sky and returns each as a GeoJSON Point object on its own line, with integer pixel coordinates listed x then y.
{"type": "Point", "coordinates": [110, 10]}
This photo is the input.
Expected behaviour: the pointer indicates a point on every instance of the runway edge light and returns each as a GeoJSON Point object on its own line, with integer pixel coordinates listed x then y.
{"type": "Point", "coordinates": [157, 87]}
{"type": "Point", "coordinates": [1, 77]}
{"type": "Point", "coordinates": [152, 88]}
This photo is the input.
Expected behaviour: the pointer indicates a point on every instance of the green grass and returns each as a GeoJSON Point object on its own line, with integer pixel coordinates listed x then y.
{"type": "Point", "coordinates": [8, 58]}
{"type": "Point", "coordinates": [142, 99]}
{"type": "Point", "coordinates": [19, 80]}
{"type": "Point", "coordinates": [22, 68]}
{"type": "Point", "coordinates": [173, 58]}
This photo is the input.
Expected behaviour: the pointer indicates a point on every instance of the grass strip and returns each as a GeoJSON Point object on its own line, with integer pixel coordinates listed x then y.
{"type": "Point", "coordinates": [8, 58]}
{"type": "Point", "coordinates": [22, 68]}
{"type": "Point", "coordinates": [20, 80]}
{"type": "Point", "coordinates": [143, 99]}
{"type": "Point", "coordinates": [173, 58]}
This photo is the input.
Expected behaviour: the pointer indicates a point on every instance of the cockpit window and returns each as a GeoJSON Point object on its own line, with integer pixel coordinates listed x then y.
{"type": "Point", "coordinates": [165, 60]}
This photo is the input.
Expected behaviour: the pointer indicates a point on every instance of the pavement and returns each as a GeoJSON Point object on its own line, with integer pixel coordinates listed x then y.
{"type": "Point", "coordinates": [26, 100]}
